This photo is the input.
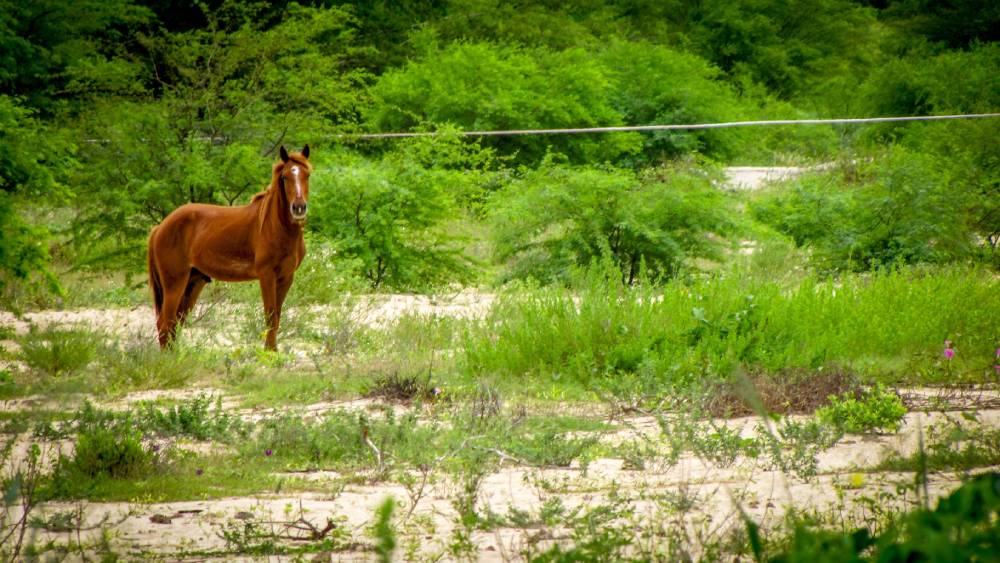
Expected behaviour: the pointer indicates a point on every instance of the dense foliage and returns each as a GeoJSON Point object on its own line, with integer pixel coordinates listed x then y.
{"type": "Point", "coordinates": [115, 112]}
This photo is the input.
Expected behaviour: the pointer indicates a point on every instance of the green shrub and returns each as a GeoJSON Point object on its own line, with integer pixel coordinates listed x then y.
{"type": "Point", "coordinates": [654, 84]}
{"type": "Point", "coordinates": [383, 531]}
{"type": "Point", "coordinates": [901, 208]}
{"type": "Point", "coordinates": [339, 439]}
{"type": "Point", "coordinates": [876, 410]}
{"type": "Point", "coordinates": [54, 351]}
{"type": "Point", "coordinates": [28, 176]}
{"type": "Point", "coordinates": [959, 444]}
{"type": "Point", "coordinates": [556, 218]}
{"type": "Point", "coordinates": [390, 215]}
{"type": "Point", "coordinates": [143, 365]}
{"type": "Point", "coordinates": [109, 451]}
{"type": "Point", "coordinates": [934, 81]}
{"type": "Point", "coordinates": [193, 418]}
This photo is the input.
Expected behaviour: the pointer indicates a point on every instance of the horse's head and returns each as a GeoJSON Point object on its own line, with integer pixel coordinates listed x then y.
{"type": "Point", "coordinates": [295, 182]}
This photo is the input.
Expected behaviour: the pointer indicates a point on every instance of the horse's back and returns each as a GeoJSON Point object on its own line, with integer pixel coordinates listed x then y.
{"type": "Point", "coordinates": [213, 239]}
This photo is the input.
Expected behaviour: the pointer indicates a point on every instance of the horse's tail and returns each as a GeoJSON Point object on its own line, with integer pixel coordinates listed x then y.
{"type": "Point", "coordinates": [154, 276]}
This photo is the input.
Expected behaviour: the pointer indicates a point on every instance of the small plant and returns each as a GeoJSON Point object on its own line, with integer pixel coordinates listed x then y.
{"type": "Point", "coordinates": [793, 446]}
{"type": "Point", "coordinates": [960, 445]}
{"type": "Point", "coordinates": [58, 352]}
{"type": "Point", "coordinates": [8, 386]}
{"type": "Point", "coordinates": [404, 388]}
{"type": "Point", "coordinates": [193, 418]}
{"type": "Point", "coordinates": [116, 452]}
{"type": "Point", "coordinates": [551, 447]}
{"type": "Point", "coordinates": [145, 366]}
{"type": "Point", "coordinates": [877, 410]}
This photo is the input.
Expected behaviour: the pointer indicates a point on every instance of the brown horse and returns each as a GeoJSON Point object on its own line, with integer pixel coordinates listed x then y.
{"type": "Point", "coordinates": [263, 240]}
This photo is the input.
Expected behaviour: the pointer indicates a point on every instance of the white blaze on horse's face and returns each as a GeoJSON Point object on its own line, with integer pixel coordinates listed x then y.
{"type": "Point", "coordinates": [298, 179]}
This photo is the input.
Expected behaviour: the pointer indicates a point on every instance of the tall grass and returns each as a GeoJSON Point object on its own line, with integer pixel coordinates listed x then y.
{"type": "Point", "coordinates": [886, 326]}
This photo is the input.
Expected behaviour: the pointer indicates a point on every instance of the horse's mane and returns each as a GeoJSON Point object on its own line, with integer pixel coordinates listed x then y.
{"type": "Point", "coordinates": [276, 170]}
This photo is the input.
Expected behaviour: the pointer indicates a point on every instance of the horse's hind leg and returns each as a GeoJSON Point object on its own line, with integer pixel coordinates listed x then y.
{"type": "Point", "coordinates": [173, 294]}
{"type": "Point", "coordinates": [196, 282]}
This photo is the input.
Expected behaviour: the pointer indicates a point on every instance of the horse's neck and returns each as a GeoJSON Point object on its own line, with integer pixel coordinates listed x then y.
{"type": "Point", "coordinates": [273, 214]}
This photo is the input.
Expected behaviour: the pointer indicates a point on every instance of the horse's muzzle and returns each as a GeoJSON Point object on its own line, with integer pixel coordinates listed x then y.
{"type": "Point", "coordinates": [299, 212]}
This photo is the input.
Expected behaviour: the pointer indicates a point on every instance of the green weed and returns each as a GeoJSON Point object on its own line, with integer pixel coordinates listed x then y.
{"type": "Point", "coordinates": [877, 410]}
{"type": "Point", "coordinates": [54, 352]}
{"type": "Point", "coordinates": [382, 529]}
{"type": "Point", "coordinates": [102, 453]}
{"type": "Point", "coordinates": [885, 326]}
{"type": "Point", "coordinates": [142, 365]}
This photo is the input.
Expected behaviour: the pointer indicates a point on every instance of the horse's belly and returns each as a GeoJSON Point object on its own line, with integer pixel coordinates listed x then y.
{"type": "Point", "coordinates": [226, 269]}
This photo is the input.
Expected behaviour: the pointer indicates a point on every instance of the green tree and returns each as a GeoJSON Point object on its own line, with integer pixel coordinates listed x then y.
{"type": "Point", "coordinates": [651, 84]}
{"type": "Point", "coordinates": [968, 151]}
{"type": "Point", "coordinates": [483, 86]}
{"type": "Point", "coordinates": [41, 40]}
{"type": "Point", "coordinates": [555, 218]}
{"type": "Point", "coordinates": [210, 109]}
{"type": "Point", "coordinates": [902, 208]}
{"type": "Point", "coordinates": [393, 215]}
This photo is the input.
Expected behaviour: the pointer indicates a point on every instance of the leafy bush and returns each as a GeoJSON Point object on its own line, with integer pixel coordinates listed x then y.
{"type": "Point", "coordinates": [932, 81]}
{"type": "Point", "coordinates": [193, 418]}
{"type": "Point", "coordinates": [653, 84]}
{"type": "Point", "coordinates": [876, 410]}
{"type": "Point", "coordinates": [556, 218]}
{"type": "Point", "coordinates": [339, 439]}
{"type": "Point", "coordinates": [899, 209]}
{"type": "Point", "coordinates": [33, 160]}
{"type": "Point", "coordinates": [115, 452]}
{"type": "Point", "coordinates": [143, 365]}
{"type": "Point", "coordinates": [58, 352]}
{"type": "Point", "coordinates": [953, 445]}
{"type": "Point", "coordinates": [391, 215]}
{"type": "Point", "coordinates": [104, 451]}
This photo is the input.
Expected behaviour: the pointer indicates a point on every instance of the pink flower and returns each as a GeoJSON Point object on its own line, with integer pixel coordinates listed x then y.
{"type": "Point", "coordinates": [268, 452]}
{"type": "Point", "coordinates": [199, 471]}
{"type": "Point", "coordinates": [949, 352]}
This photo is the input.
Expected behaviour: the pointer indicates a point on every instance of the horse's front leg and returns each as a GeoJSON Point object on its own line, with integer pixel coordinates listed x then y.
{"type": "Point", "coordinates": [277, 288]}
{"type": "Point", "coordinates": [282, 290]}
{"type": "Point", "coordinates": [272, 310]}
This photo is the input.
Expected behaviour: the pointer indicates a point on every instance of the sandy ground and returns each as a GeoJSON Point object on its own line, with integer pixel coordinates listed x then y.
{"type": "Point", "coordinates": [716, 493]}
{"type": "Point", "coordinates": [756, 177]}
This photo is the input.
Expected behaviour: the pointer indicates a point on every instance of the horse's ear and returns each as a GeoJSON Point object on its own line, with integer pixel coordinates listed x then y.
{"type": "Point", "coordinates": [283, 153]}
{"type": "Point", "coordinates": [305, 151]}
